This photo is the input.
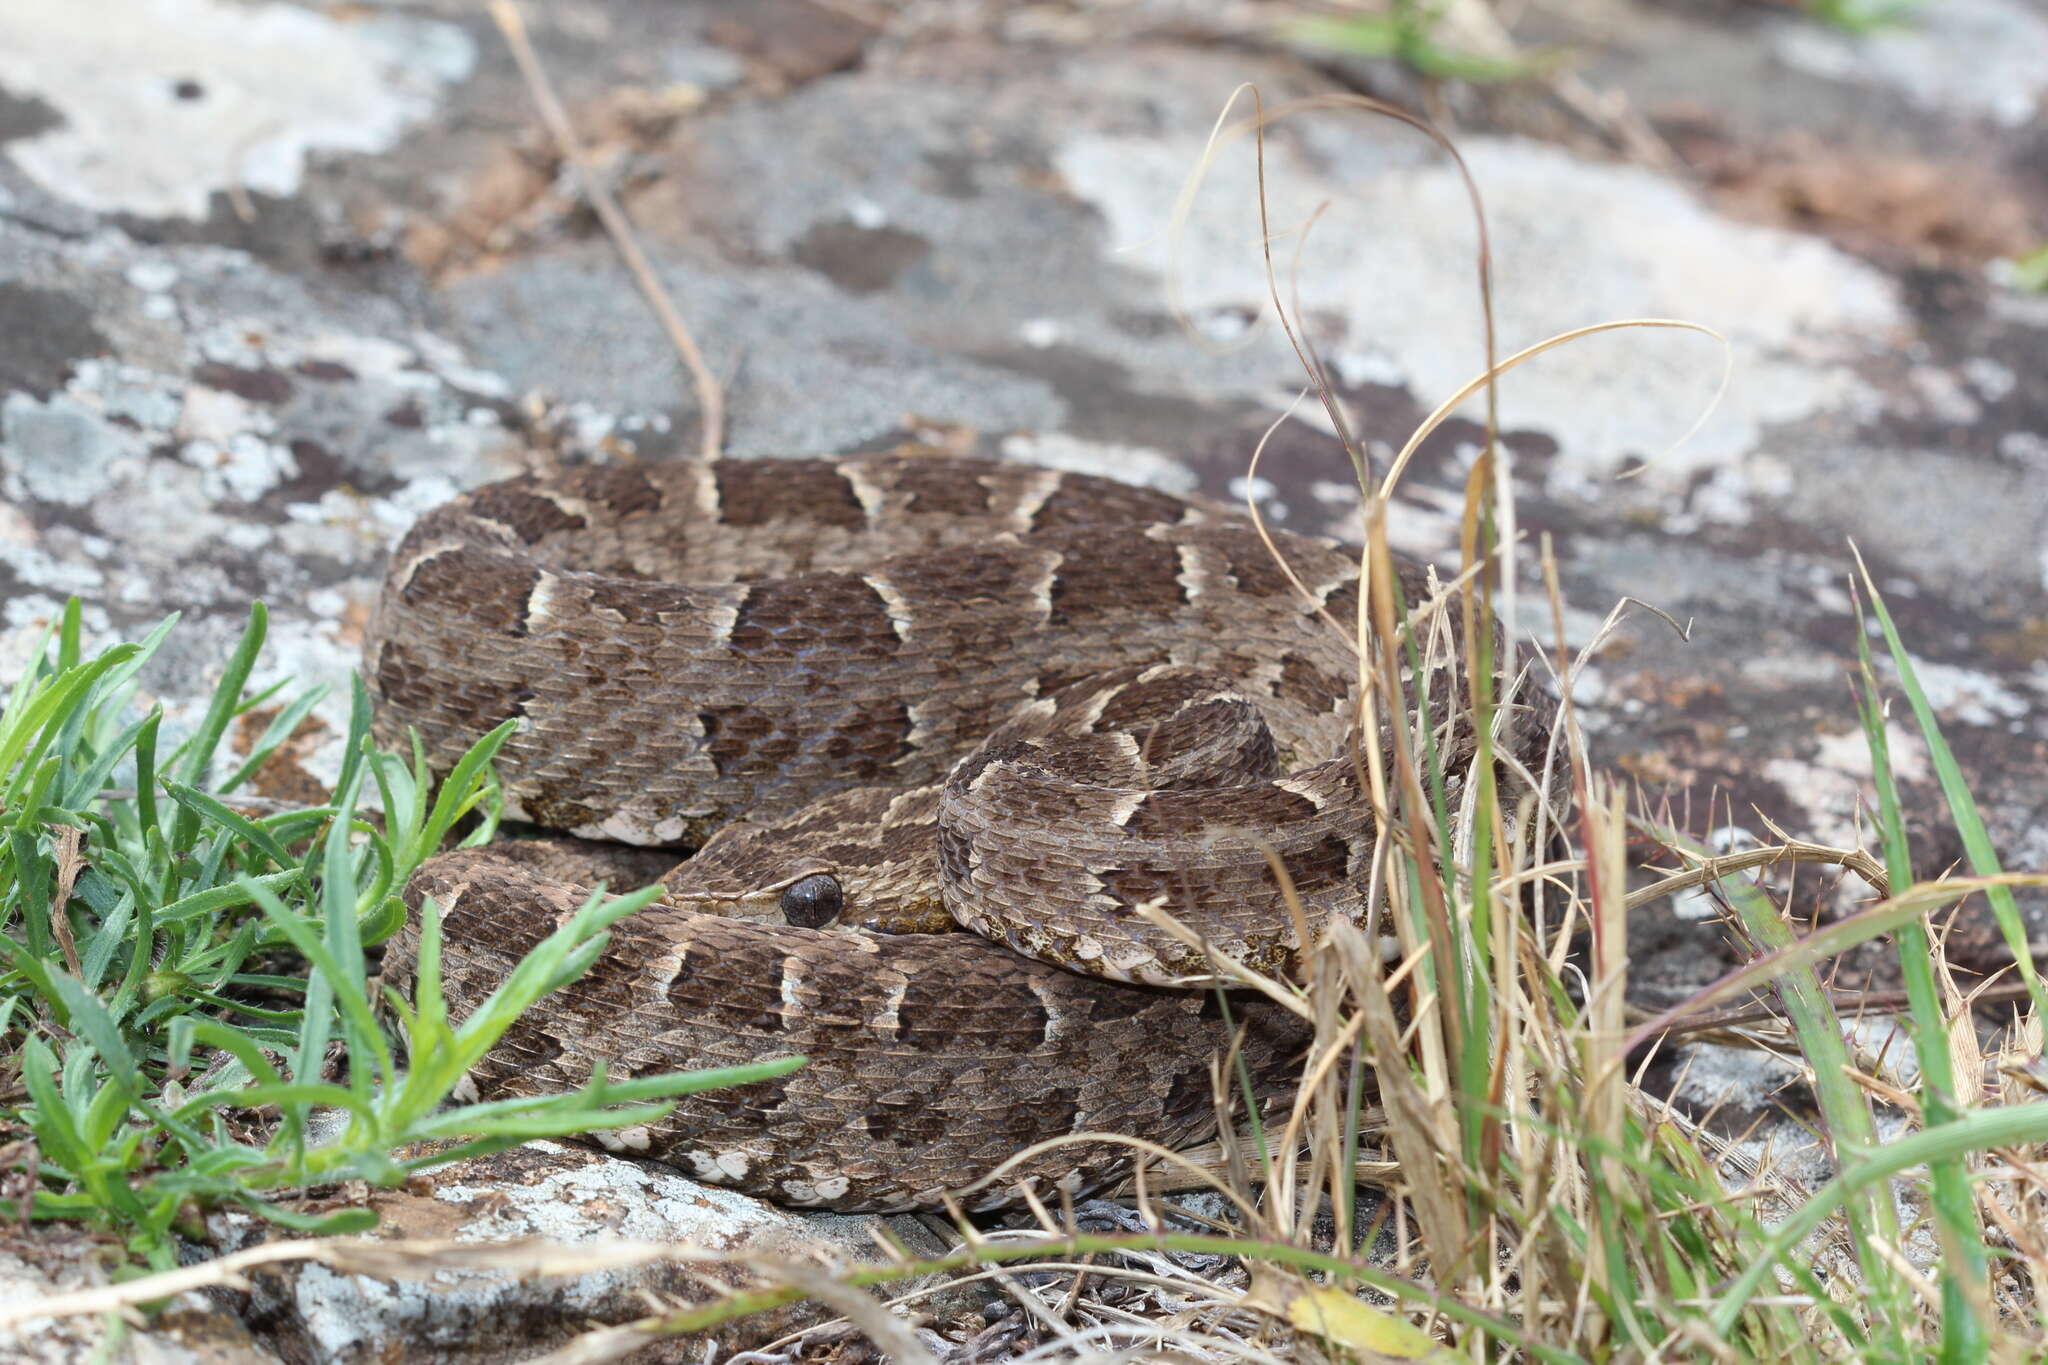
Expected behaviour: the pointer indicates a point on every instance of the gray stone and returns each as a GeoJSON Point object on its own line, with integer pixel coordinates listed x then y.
{"type": "Point", "coordinates": [192, 1329]}
{"type": "Point", "coordinates": [565, 1197]}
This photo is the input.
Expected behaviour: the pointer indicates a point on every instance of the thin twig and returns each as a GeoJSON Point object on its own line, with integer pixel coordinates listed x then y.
{"type": "Point", "coordinates": [396, 1259]}
{"type": "Point", "coordinates": [1873, 1002]}
{"type": "Point", "coordinates": [1796, 851]}
{"type": "Point", "coordinates": [890, 1334]}
{"type": "Point", "coordinates": [710, 397]}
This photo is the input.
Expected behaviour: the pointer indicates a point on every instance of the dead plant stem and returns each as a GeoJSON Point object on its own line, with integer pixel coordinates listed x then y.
{"type": "Point", "coordinates": [710, 397]}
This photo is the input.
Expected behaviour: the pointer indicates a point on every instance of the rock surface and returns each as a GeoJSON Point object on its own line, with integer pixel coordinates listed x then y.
{"type": "Point", "coordinates": [193, 1329]}
{"type": "Point", "coordinates": [564, 1196]}
{"type": "Point", "coordinates": [274, 278]}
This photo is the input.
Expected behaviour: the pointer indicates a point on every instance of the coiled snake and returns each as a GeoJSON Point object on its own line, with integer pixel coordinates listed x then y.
{"type": "Point", "coordinates": [884, 694]}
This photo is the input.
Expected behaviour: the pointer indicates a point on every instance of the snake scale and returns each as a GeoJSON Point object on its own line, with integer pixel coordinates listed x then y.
{"type": "Point", "coordinates": [880, 695]}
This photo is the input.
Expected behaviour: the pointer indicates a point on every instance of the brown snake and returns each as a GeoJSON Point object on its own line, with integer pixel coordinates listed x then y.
{"type": "Point", "coordinates": [884, 694]}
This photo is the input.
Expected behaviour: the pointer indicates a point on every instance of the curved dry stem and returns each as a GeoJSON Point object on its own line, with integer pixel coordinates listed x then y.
{"type": "Point", "coordinates": [1001, 1275]}
{"type": "Point", "coordinates": [710, 396]}
{"type": "Point", "coordinates": [1258, 518]}
{"type": "Point", "coordinates": [1183, 207]}
{"type": "Point", "coordinates": [1867, 923]}
{"type": "Point", "coordinates": [1153, 1149]}
{"type": "Point", "coordinates": [1256, 126]}
{"type": "Point", "coordinates": [1796, 851]}
{"type": "Point", "coordinates": [1157, 914]}
{"type": "Point", "coordinates": [1443, 410]}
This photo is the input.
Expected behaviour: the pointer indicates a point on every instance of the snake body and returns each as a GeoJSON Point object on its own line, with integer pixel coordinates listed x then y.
{"type": "Point", "coordinates": [882, 696]}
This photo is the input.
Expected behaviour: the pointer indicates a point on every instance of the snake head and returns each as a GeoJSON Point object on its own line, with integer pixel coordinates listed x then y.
{"type": "Point", "coordinates": [859, 859]}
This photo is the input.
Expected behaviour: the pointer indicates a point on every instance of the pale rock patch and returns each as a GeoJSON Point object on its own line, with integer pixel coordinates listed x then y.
{"type": "Point", "coordinates": [1393, 259]}
{"type": "Point", "coordinates": [166, 101]}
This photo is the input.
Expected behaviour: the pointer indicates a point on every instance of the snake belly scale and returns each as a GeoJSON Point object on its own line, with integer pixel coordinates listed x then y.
{"type": "Point", "coordinates": [883, 694]}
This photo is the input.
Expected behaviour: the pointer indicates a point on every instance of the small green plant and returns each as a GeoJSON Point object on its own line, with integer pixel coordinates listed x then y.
{"type": "Point", "coordinates": [1409, 33]}
{"type": "Point", "coordinates": [2030, 270]}
{"type": "Point", "coordinates": [184, 982]}
{"type": "Point", "coordinates": [1862, 16]}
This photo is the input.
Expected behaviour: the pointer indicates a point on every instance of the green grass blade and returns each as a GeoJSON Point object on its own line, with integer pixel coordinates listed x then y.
{"type": "Point", "coordinates": [90, 1020]}
{"type": "Point", "coordinates": [195, 757]}
{"type": "Point", "coordinates": [279, 730]}
{"type": "Point", "coordinates": [209, 903]}
{"type": "Point", "coordinates": [52, 1121]}
{"type": "Point", "coordinates": [1961, 804]}
{"type": "Point", "coordinates": [188, 1030]}
{"type": "Point", "coordinates": [1965, 1339]}
{"type": "Point", "coordinates": [321, 993]}
{"type": "Point", "coordinates": [466, 784]}
{"type": "Point", "coordinates": [201, 806]}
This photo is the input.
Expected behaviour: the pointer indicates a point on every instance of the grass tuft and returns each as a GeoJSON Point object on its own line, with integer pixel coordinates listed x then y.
{"type": "Point", "coordinates": [184, 979]}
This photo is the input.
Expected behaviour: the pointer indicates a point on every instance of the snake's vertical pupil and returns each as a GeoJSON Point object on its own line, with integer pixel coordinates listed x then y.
{"type": "Point", "coordinates": [813, 902]}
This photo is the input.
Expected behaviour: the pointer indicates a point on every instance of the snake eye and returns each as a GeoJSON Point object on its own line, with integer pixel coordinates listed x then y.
{"type": "Point", "coordinates": [813, 902]}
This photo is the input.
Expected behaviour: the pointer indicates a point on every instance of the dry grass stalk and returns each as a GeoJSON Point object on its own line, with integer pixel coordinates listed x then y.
{"type": "Point", "coordinates": [710, 396]}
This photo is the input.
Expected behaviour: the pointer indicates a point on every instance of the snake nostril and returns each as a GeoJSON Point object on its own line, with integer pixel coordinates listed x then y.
{"type": "Point", "coordinates": [813, 902]}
